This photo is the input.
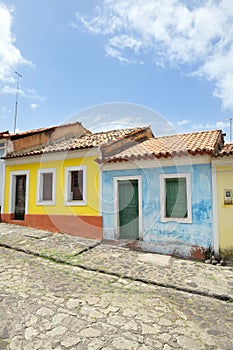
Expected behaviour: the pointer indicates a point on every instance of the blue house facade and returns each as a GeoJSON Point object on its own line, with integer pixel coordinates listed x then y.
{"type": "Point", "coordinates": [158, 197]}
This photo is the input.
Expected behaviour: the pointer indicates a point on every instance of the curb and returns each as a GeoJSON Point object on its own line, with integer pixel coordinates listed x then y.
{"type": "Point", "coordinates": [222, 297]}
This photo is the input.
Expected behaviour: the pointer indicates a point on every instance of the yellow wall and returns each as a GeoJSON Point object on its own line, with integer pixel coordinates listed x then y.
{"type": "Point", "coordinates": [225, 212]}
{"type": "Point", "coordinates": [92, 207]}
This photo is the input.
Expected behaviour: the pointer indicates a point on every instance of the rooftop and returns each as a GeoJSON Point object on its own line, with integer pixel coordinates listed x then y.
{"type": "Point", "coordinates": [227, 150]}
{"type": "Point", "coordinates": [75, 143]}
{"type": "Point", "coordinates": [203, 142]}
{"type": "Point", "coordinates": [4, 134]}
{"type": "Point", "coordinates": [40, 130]}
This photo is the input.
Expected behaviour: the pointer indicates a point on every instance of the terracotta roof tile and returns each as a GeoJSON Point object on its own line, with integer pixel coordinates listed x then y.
{"type": "Point", "coordinates": [174, 145]}
{"type": "Point", "coordinates": [75, 143]}
{"type": "Point", "coordinates": [4, 134]}
{"type": "Point", "coordinates": [227, 150]}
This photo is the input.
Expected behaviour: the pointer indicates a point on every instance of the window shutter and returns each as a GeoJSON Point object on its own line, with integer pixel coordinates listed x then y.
{"type": "Point", "coordinates": [176, 198]}
{"type": "Point", "coordinates": [47, 186]}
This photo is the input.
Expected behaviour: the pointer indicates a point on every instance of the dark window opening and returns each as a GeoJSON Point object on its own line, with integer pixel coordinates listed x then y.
{"type": "Point", "coordinates": [77, 185]}
{"type": "Point", "coordinates": [47, 194]}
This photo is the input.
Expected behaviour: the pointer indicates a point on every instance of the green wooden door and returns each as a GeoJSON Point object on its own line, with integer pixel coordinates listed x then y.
{"type": "Point", "coordinates": [128, 209]}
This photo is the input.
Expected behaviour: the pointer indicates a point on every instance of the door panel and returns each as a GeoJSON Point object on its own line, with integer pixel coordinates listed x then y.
{"type": "Point", "coordinates": [128, 209]}
{"type": "Point", "coordinates": [20, 195]}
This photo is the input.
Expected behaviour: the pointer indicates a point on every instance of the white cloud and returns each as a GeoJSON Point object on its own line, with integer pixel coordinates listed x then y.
{"type": "Point", "coordinates": [34, 106]}
{"type": "Point", "coordinates": [4, 112]}
{"type": "Point", "coordinates": [223, 124]}
{"type": "Point", "coordinates": [220, 124]}
{"type": "Point", "coordinates": [118, 44]}
{"type": "Point", "coordinates": [183, 122]}
{"type": "Point", "coordinates": [181, 32]}
{"type": "Point", "coordinates": [186, 126]}
{"type": "Point", "coordinates": [10, 55]}
{"type": "Point", "coordinates": [4, 109]}
{"type": "Point", "coordinates": [27, 93]}
{"type": "Point", "coordinates": [117, 115]}
{"type": "Point", "coordinates": [110, 51]}
{"type": "Point", "coordinates": [204, 126]}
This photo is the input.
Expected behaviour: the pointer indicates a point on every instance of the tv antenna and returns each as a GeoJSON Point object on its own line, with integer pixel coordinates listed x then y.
{"type": "Point", "coordinates": [230, 129]}
{"type": "Point", "coordinates": [16, 98]}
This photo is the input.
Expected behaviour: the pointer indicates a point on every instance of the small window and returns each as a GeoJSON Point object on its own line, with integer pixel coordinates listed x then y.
{"type": "Point", "coordinates": [46, 187]}
{"type": "Point", "coordinates": [75, 186]}
{"type": "Point", "coordinates": [2, 149]}
{"type": "Point", "coordinates": [176, 198]}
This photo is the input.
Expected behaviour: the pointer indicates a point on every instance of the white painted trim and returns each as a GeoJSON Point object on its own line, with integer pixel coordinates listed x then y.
{"type": "Point", "coordinates": [157, 163]}
{"type": "Point", "coordinates": [163, 177]}
{"type": "Point", "coordinates": [225, 161]}
{"type": "Point", "coordinates": [215, 211]}
{"type": "Point", "coordinates": [100, 191]}
{"type": "Point", "coordinates": [3, 187]}
{"type": "Point", "coordinates": [13, 175]}
{"type": "Point", "coordinates": [49, 157]}
{"type": "Point", "coordinates": [67, 185]}
{"type": "Point", "coordinates": [39, 187]}
{"type": "Point", "coordinates": [116, 204]}
{"type": "Point", "coordinates": [224, 171]}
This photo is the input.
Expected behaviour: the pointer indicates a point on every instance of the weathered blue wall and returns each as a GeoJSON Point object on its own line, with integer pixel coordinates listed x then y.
{"type": "Point", "coordinates": [171, 237]}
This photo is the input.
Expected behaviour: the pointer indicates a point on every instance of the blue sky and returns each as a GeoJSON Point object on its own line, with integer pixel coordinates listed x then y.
{"type": "Point", "coordinates": [172, 58]}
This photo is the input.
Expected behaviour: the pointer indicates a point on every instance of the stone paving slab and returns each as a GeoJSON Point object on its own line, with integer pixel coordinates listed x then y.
{"type": "Point", "coordinates": [195, 277]}
{"type": "Point", "coordinates": [163, 270]}
{"type": "Point", "coordinates": [45, 306]}
{"type": "Point", "coordinates": [43, 243]}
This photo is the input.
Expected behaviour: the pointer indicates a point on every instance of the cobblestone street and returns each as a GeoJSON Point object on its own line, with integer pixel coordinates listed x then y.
{"type": "Point", "coordinates": [49, 305]}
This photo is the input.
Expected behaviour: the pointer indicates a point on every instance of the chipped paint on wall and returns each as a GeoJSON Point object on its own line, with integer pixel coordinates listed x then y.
{"type": "Point", "coordinates": [165, 237]}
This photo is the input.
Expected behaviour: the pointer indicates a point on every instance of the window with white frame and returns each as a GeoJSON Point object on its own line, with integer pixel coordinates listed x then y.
{"type": "Point", "coordinates": [2, 149]}
{"type": "Point", "coordinates": [46, 186]}
{"type": "Point", "coordinates": [75, 185]}
{"type": "Point", "coordinates": [176, 198]}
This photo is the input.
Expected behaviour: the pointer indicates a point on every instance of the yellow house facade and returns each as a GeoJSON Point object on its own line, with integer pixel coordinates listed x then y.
{"type": "Point", "coordinates": [57, 185]}
{"type": "Point", "coordinates": [56, 210]}
{"type": "Point", "coordinates": [223, 169]}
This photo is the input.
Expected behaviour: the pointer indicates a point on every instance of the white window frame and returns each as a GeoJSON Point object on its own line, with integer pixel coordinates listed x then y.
{"type": "Point", "coordinates": [163, 178]}
{"type": "Point", "coordinates": [2, 148]}
{"type": "Point", "coordinates": [12, 193]}
{"type": "Point", "coordinates": [39, 191]}
{"type": "Point", "coordinates": [67, 191]}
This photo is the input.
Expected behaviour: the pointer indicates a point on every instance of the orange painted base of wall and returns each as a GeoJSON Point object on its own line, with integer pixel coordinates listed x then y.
{"type": "Point", "coordinates": [81, 226]}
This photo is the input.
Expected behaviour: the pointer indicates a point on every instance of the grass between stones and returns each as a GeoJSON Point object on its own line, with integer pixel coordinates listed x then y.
{"type": "Point", "coordinates": [3, 344]}
{"type": "Point", "coordinates": [57, 255]}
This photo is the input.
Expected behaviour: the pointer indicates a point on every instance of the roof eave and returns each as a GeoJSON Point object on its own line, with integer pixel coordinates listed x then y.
{"type": "Point", "coordinates": [46, 152]}
{"type": "Point", "coordinates": [150, 156]}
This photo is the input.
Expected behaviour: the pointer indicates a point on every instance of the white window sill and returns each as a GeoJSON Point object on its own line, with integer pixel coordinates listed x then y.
{"type": "Point", "coordinates": [45, 203]}
{"type": "Point", "coordinates": [179, 220]}
{"type": "Point", "coordinates": [75, 203]}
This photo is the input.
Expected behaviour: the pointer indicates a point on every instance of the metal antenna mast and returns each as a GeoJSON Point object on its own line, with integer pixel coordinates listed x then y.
{"type": "Point", "coordinates": [230, 129]}
{"type": "Point", "coordinates": [17, 98]}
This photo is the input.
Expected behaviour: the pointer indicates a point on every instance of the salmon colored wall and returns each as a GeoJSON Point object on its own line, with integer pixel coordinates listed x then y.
{"type": "Point", "coordinates": [81, 226]}
{"type": "Point", "coordinates": [30, 141]}
{"type": "Point", "coordinates": [39, 138]}
{"type": "Point", "coordinates": [225, 211]}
